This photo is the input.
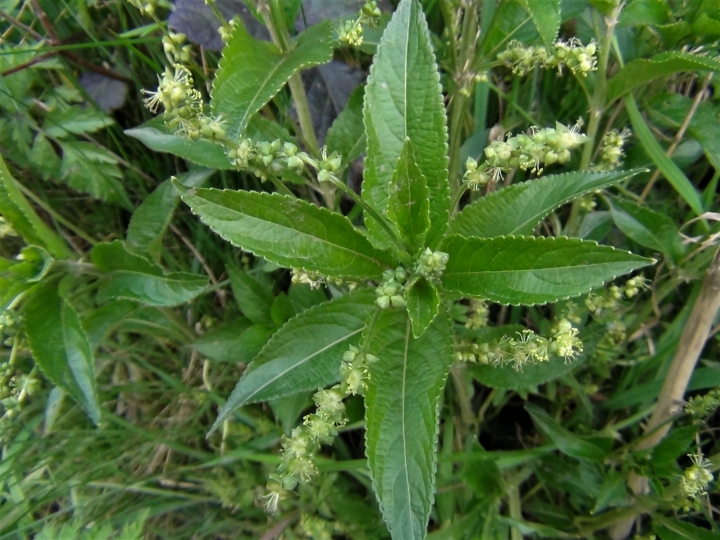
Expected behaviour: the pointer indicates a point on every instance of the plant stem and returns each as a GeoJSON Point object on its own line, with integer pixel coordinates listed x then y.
{"type": "Point", "coordinates": [274, 19]}
{"type": "Point", "coordinates": [217, 13]}
{"type": "Point", "coordinates": [693, 339]}
{"type": "Point", "coordinates": [597, 105]}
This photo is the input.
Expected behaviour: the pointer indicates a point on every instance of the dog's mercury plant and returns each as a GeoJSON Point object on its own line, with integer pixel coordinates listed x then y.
{"type": "Point", "coordinates": [388, 334]}
{"type": "Point", "coordinates": [579, 58]}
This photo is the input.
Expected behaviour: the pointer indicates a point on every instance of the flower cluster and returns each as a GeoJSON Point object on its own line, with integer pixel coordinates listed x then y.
{"type": "Point", "coordinates": [390, 291]}
{"type": "Point", "coordinates": [354, 371]}
{"type": "Point", "coordinates": [544, 146]}
{"type": "Point", "coordinates": [300, 276]}
{"type": "Point", "coordinates": [694, 482]}
{"type": "Point", "coordinates": [183, 106]}
{"type": "Point", "coordinates": [611, 151]}
{"type": "Point", "coordinates": [700, 407]}
{"type": "Point", "coordinates": [146, 7]}
{"type": "Point", "coordinates": [608, 299]}
{"type": "Point", "coordinates": [175, 49]}
{"type": "Point", "coordinates": [431, 264]}
{"type": "Point", "coordinates": [321, 427]}
{"type": "Point", "coordinates": [579, 58]}
{"type": "Point", "coordinates": [351, 31]}
{"type": "Point", "coordinates": [477, 314]}
{"type": "Point", "coordinates": [529, 347]}
{"type": "Point", "coordinates": [6, 229]}
{"type": "Point", "coordinates": [277, 156]}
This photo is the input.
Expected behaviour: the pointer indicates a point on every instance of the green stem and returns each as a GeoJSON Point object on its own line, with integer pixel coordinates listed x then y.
{"type": "Point", "coordinates": [597, 105]}
{"type": "Point", "coordinates": [274, 19]}
{"type": "Point", "coordinates": [217, 13]}
{"type": "Point", "coordinates": [403, 253]}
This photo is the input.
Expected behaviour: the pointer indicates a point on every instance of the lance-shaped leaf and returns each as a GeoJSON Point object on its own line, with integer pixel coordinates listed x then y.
{"type": "Point", "coordinates": [305, 354]}
{"type": "Point", "coordinates": [517, 209]}
{"type": "Point", "coordinates": [409, 206]}
{"type": "Point", "coordinates": [567, 442]}
{"type": "Point", "coordinates": [251, 71]}
{"type": "Point", "coordinates": [423, 305]}
{"type": "Point", "coordinates": [131, 277]}
{"type": "Point", "coordinates": [647, 227]}
{"type": "Point", "coordinates": [60, 347]}
{"type": "Point", "coordinates": [403, 100]}
{"type": "Point", "coordinates": [289, 232]}
{"type": "Point", "coordinates": [527, 270]}
{"type": "Point", "coordinates": [401, 413]}
{"type": "Point", "coordinates": [642, 70]}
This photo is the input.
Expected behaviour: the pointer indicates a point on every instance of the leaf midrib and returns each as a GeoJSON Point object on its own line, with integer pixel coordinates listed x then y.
{"type": "Point", "coordinates": [408, 327]}
{"type": "Point", "coordinates": [298, 364]}
{"type": "Point", "coordinates": [315, 238]}
{"type": "Point", "coordinates": [521, 271]}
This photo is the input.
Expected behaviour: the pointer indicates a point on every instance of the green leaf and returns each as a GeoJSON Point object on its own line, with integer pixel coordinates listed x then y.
{"type": "Point", "coordinates": [253, 297]}
{"type": "Point", "coordinates": [152, 218]}
{"type": "Point", "coordinates": [105, 319]}
{"type": "Point", "coordinates": [403, 100]}
{"type": "Point", "coordinates": [289, 232]}
{"type": "Point", "coordinates": [532, 375]}
{"type": "Point", "coordinates": [640, 71]}
{"type": "Point", "coordinates": [234, 342]}
{"type": "Point", "coordinates": [15, 208]}
{"type": "Point", "coordinates": [60, 347]}
{"type": "Point", "coordinates": [664, 456]}
{"type": "Point", "coordinates": [673, 529]}
{"type": "Point", "coordinates": [409, 205]}
{"type": "Point", "coordinates": [401, 417]}
{"type": "Point", "coordinates": [281, 310]}
{"type": "Point", "coordinates": [566, 441]}
{"type": "Point", "coordinates": [157, 136]}
{"type": "Point", "coordinates": [305, 354]}
{"type": "Point", "coordinates": [252, 71]}
{"type": "Point", "coordinates": [131, 277]}
{"type": "Point", "coordinates": [423, 305]}
{"type": "Point", "coordinates": [671, 171]}
{"type": "Point", "coordinates": [647, 227]}
{"type": "Point", "coordinates": [75, 120]}
{"type": "Point", "coordinates": [527, 270]}
{"type": "Point", "coordinates": [645, 12]}
{"type": "Point", "coordinates": [94, 170]}
{"type": "Point", "coordinates": [44, 158]}
{"type": "Point", "coordinates": [517, 209]}
{"type": "Point", "coordinates": [546, 16]}
{"type": "Point", "coordinates": [346, 136]}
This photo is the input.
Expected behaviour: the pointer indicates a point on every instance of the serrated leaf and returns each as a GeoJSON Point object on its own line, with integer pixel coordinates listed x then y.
{"type": "Point", "coordinates": [15, 208]}
{"type": "Point", "coordinates": [403, 100]}
{"type": "Point", "coordinates": [664, 456]}
{"type": "Point", "coordinates": [526, 270]}
{"type": "Point", "coordinates": [408, 204]}
{"type": "Point", "coordinates": [60, 347]}
{"type": "Point", "coordinates": [647, 227]}
{"type": "Point", "coordinates": [612, 492]}
{"type": "Point", "coordinates": [644, 12]}
{"type": "Point", "coordinates": [75, 120]}
{"type": "Point", "coordinates": [671, 171]}
{"type": "Point", "coordinates": [156, 136]}
{"type": "Point", "coordinates": [346, 136]}
{"type": "Point", "coordinates": [532, 374]}
{"type": "Point", "coordinates": [92, 169]}
{"type": "Point", "coordinates": [152, 218]}
{"type": "Point", "coordinates": [567, 442]}
{"type": "Point", "coordinates": [44, 158]}
{"type": "Point", "coordinates": [251, 72]}
{"type": "Point", "coordinates": [518, 208]}
{"type": "Point", "coordinates": [253, 297]}
{"type": "Point", "coordinates": [131, 277]}
{"type": "Point", "coordinates": [423, 305]}
{"type": "Point", "coordinates": [673, 529]}
{"type": "Point", "coordinates": [305, 354]}
{"type": "Point", "coordinates": [289, 232]}
{"type": "Point", "coordinates": [546, 16]}
{"type": "Point", "coordinates": [640, 71]}
{"type": "Point", "coordinates": [401, 417]}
